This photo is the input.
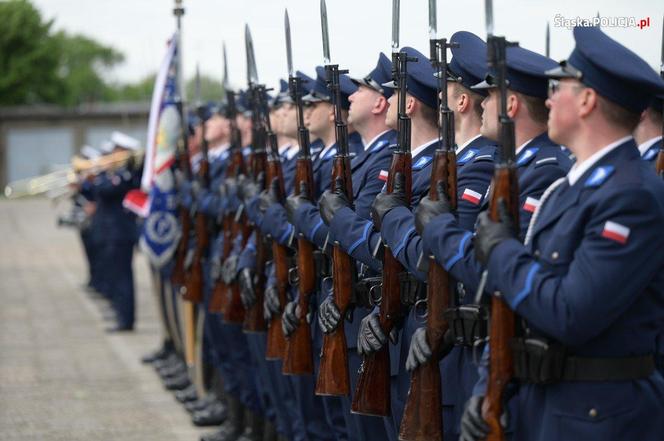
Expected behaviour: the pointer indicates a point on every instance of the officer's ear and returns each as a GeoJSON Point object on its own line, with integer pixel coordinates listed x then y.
{"type": "Point", "coordinates": [412, 105]}
{"type": "Point", "coordinates": [380, 105]}
{"type": "Point", "coordinates": [587, 101]}
{"type": "Point", "coordinates": [513, 104]}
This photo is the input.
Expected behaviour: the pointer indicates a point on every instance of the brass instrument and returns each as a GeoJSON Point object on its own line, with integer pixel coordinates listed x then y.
{"type": "Point", "coordinates": [58, 183]}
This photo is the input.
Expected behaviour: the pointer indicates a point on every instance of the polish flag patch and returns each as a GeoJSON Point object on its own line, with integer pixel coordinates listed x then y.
{"type": "Point", "coordinates": [616, 232]}
{"type": "Point", "coordinates": [471, 196]}
{"type": "Point", "coordinates": [531, 204]}
{"type": "Point", "coordinates": [383, 175]}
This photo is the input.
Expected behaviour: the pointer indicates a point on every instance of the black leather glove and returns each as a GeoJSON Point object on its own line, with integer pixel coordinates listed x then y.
{"type": "Point", "coordinates": [289, 320]}
{"type": "Point", "coordinates": [473, 425]}
{"type": "Point", "coordinates": [332, 201]}
{"type": "Point", "coordinates": [248, 188]}
{"type": "Point", "coordinates": [229, 269]}
{"type": "Point", "coordinates": [247, 290]}
{"type": "Point", "coordinates": [293, 202]}
{"type": "Point", "coordinates": [384, 202]}
{"type": "Point", "coordinates": [269, 196]}
{"type": "Point", "coordinates": [419, 351]}
{"type": "Point", "coordinates": [371, 337]}
{"type": "Point", "coordinates": [427, 209]}
{"type": "Point", "coordinates": [329, 315]}
{"type": "Point", "coordinates": [490, 233]}
{"type": "Point", "coordinates": [271, 302]}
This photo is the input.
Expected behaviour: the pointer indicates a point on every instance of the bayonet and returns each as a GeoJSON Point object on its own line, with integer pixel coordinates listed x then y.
{"type": "Point", "coordinates": [198, 86]}
{"type": "Point", "coordinates": [289, 48]}
{"type": "Point", "coordinates": [326, 34]}
{"type": "Point", "coordinates": [433, 26]}
{"type": "Point", "coordinates": [395, 25]}
{"type": "Point", "coordinates": [488, 11]}
{"type": "Point", "coordinates": [252, 72]}
{"type": "Point", "coordinates": [225, 79]}
{"type": "Point", "coordinates": [547, 43]}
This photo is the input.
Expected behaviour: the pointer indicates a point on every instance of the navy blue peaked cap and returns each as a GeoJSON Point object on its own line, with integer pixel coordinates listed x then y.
{"type": "Point", "coordinates": [420, 82]}
{"type": "Point", "coordinates": [320, 92]}
{"type": "Point", "coordinates": [242, 102]}
{"type": "Point", "coordinates": [382, 73]}
{"type": "Point", "coordinates": [282, 96]}
{"type": "Point", "coordinates": [525, 73]}
{"type": "Point", "coordinates": [307, 81]}
{"type": "Point", "coordinates": [468, 65]}
{"type": "Point", "coordinates": [614, 71]}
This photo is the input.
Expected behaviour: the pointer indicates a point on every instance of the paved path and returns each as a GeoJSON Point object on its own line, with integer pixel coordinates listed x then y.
{"type": "Point", "coordinates": [61, 376]}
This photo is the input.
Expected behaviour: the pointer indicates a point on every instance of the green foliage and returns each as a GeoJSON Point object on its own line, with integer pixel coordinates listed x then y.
{"type": "Point", "coordinates": [210, 89]}
{"type": "Point", "coordinates": [28, 56]}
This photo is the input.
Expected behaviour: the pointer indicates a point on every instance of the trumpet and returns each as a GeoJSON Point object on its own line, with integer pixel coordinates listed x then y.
{"type": "Point", "coordinates": [59, 182]}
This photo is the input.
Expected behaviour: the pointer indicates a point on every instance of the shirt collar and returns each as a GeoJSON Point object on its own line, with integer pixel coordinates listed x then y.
{"type": "Point", "coordinates": [643, 148]}
{"type": "Point", "coordinates": [367, 145]}
{"type": "Point", "coordinates": [518, 150]}
{"type": "Point", "coordinates": [579, 170]}
{"type": "Point", "coordinates": [284, 148]}
{"type": "Point", "coordinates": [326, 149]}
{"type": "Point", "coordinates": [216, 151]}
{"type": "Point", "coordinates": [290, 154]}
{"type": "Point", "coordinates": [460, 148]}
{"type": "Point", "coordinates": [416, 151]}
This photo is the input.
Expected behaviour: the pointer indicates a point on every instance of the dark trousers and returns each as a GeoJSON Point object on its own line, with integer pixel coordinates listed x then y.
{"type": "Point", "coordinates": [119, 280]}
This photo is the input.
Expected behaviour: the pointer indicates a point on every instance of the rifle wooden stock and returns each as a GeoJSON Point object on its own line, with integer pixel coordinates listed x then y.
{"type": "Point", "coordinates": [333, 376]}
{"type": "Point", "coordinates": [276, 342]}
{"type": "Point", "coordinates": [194, 280]}
{"type": "Point", "coordinates": [178, 274]}
{"type": "Point", "coordinates": [501, 327]}
{"type": "Point", "coordinates": [372, 392]}
{"type": "Point", "coordinates": [219, 299]}
{"type": "Point", "coordinates": [422, 419]}
{"type": "Point", "coordinates": [254, 322]}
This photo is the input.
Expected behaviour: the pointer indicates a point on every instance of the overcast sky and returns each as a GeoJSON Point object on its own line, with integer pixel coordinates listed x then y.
{"type": "Point", "coordinates": [359, 29]}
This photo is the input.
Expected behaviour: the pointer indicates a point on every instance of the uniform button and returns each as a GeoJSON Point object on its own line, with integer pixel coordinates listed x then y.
{"type": "Point", "coordinates": [555, 255]}
{"type": "Point", "coordinates": [537, 253]}
{"type": "Point", "coordinates": [592, 413]}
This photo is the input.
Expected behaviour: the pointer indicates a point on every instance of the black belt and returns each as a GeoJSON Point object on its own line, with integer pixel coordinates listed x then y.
{"type": "Point", "coordinates": [541, 362]}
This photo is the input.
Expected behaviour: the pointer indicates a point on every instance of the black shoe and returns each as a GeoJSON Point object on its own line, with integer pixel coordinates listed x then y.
{"type": "Point", "coordinates": [170, 360]}
{"type": "Point", "coordinates": [232, 428]}
{"type": "Point", "coordinates": [159, 354]}
{"type": "Point", "coordinates": [173, 370]}
{"type": "Point", "coordinates": [269, 431]}
{"type": "Point", "coordinates": [187, 395]}
{"type": "Point", "coordinates": [253, 429]}
{"type": "Point", "coordinates": [213, 415]}
{"type": "Point", "coordinates": [118, 328]}
{"type": "Point", "coordinates": [201, 403]}
{"type": "Point", "coordinates": [177, 383]}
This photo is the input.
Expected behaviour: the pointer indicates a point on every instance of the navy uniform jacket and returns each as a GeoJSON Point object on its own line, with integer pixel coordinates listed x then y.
{"type": "Point", "coordinates": [112, 222]}
{"type": "Point", "coordinates": [474, 172]}
{"type": "Point", "coordinates": [539, 164]}
{"type": "Point", "coordinates": [592, 278]}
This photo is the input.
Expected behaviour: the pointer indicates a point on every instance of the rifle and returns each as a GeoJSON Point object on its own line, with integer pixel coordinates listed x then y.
{"type": "Point", "coordinates": [372, 392]}
{"type": "Point", "coordinates": [333, 376]}
{"type": "Point", "coordinates": [659, 165]}
{"type": "Point", "coordinates": [504, 188]}
{"type": "Point", "coordinates": [184, 165]}
{"type": "Point", "coordinates": [298, 355]}
{"type": "Point", "coordinates": [194, 279]}
{"type": "Point", "coordinates": [422, 418]}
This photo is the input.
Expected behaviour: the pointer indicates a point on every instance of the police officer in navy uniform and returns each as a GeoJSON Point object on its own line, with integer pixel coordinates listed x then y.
{"type": "Point", "coordinates": [588, 283]}
{"type": "Point", "coordinates": [115, 229]}
{"type": "Point", "coordinates": [648, 134]}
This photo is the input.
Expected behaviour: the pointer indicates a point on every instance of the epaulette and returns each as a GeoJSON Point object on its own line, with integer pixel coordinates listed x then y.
{"type": "Point", "coordinates": [422, 162]}
{"type": "Point", "coordinates": [650, 154]}
{"type": "Point", "coordinates": [480, 158]}
{"type": "Point", "coordinates": [599, 176]}
{"type": "Point", "coordinates": [527, 156]}
{"type": "Point", "coordinates": [549, 160]}
{"type": "Point", "coordinates": [467, 156]}
{"type": "Point", "coordinates": [379, 145]}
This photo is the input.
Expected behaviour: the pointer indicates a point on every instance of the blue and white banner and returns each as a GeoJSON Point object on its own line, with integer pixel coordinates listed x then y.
{"type": "Point", "coordinates": [160, 227]}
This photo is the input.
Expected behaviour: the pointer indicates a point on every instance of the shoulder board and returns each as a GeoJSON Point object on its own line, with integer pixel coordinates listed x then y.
{"type": "Point", "coordinates": [650, 154]}
{"type": "Point", "coordinates": [467, 156]}
{"type": "Point", "coordinates": [549, 160]}
{"type": "Point", "coordinates": [225, 155]}
{"type": "Point", "coordinates": [483, 158]}
{"type": "Point", "coordinates": [422, 162]}
{"type": "Point", "coordinates": [379, 145]}
{"type": "Point", "coordinates": [352, 154]}
{"type": "Point", "coordinates": [527, 156]}
{"type": "Point", "coordinates": [599, 176]}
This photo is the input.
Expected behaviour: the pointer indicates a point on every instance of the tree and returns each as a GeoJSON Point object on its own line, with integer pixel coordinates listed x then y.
{"type": "Point", "coordinates": [210, 89]}
{"type": "Point", "coordinates": [28, 56]}
{"type": "Point", "coordinates": [81, 63]}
